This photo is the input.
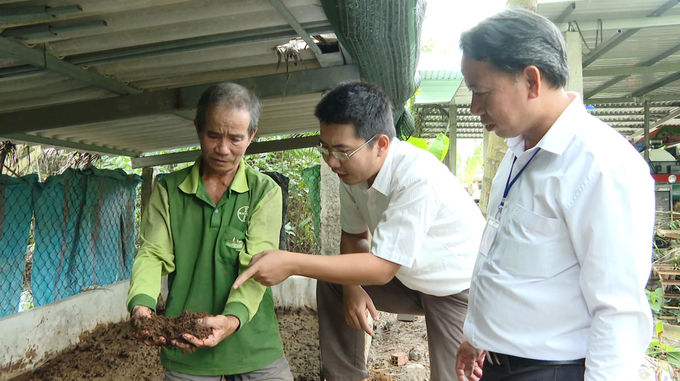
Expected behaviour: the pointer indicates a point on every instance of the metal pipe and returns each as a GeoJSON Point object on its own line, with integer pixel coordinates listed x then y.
{"type": "Point", "coordinates": [610, 43]}
{"type": "Point", "coordinates": [567, 11]}
{"type": "Point", "coordinates": [631, 70]}
{"type": "Point", "coordinates": [642, 22]}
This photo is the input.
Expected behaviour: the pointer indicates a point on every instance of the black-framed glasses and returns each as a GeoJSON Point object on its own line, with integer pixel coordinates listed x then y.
{"type": "Point", "coordinates": [341, 155]}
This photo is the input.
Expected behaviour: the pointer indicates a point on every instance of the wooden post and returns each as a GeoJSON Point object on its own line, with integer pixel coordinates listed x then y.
{"type": "Point", "coordinates": [3, 155]}
{"type": "Point", "coordinates": [453, 137]}
{"type": "Point", "coordinates": [495, 151]}
{"type": "Point", "coordinates": [646, 129]}
{"type": "Point", "coordinates": [149, 176]}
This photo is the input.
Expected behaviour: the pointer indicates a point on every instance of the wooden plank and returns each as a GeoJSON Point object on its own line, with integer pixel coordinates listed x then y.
{"type": "Point", "coordinates": [668, 272]}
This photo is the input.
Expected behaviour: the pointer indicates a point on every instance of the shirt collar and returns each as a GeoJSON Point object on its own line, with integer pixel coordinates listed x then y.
{"type": "Point", "coordinates": [384, 178]}
{"type": "Point", "coordinates": [190, 185]}
{"type": "Point", "coordinates": [560, 133]}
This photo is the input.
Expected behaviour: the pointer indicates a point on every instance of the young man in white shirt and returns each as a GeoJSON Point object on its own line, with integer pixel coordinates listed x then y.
{"type": "Point", "coordinates": [425, 231]}
{"type": "Point", "coordinates": [558, 286]}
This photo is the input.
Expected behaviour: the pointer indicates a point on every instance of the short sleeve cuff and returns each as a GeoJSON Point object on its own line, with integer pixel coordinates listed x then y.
{"type": "Point", "coordinates": [354, 229]}
{"type": "Point", "coordinates": [402, 259]}
{"type": "Point", "coordinates": [142, 300]}
{"type": "Point", "coordinates": [239, 310]}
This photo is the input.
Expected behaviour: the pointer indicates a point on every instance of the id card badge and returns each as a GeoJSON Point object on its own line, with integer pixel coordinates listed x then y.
{"type": "Point", "coordinates": [489, 235]}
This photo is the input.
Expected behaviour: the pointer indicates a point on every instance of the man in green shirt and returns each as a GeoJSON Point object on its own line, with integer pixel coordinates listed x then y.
{"type": "Point", "coordinates": [202, 226]}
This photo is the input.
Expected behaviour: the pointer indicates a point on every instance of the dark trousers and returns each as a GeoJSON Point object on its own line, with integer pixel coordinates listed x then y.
{"type": "Point", "coordinates": [533, 373]}
{"type": "Point", "coordinates": [342, 347]}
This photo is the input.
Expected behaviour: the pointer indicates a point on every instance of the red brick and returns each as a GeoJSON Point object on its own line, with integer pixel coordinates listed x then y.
{"type": "Point", "coordinates": [399, 358]}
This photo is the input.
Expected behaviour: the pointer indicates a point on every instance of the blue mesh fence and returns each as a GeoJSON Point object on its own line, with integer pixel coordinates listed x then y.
{"type": "Point", "coordinates": [78, 229]}
{"type": "Point", "coordinates": [84, 233]}
{"type": "Point", "coordinates": [17, 197]}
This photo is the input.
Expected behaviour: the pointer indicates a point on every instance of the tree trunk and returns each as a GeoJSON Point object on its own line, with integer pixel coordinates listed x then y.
{"type": "Point", "coordinates": [496, 147]}
{"type": "Point", "coordinates": [493, 155]}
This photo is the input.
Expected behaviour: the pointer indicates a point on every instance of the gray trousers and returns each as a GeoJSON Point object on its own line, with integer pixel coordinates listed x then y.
{"type": "Point", "coordinates": [342, 347]}
{"type": "Point", "coordinates": [276, 371]}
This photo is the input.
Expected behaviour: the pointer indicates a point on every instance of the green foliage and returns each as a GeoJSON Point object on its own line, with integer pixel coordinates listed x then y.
{"type": "Point", "coordinates": [467, 172]}
{"type": "Point", "coordinates": [439, 146]}
{"type": "Point", "coordinates": [300, 234]}
{"type": "Point", "coordinates": [116, 162]}
{"type": "Point", "coordinates": [418, 142]}
{"type": "Point", "coordinates": [666, 352]}
{"type": "Point", "coordinates": [427, 47]}
{"type": "Point", "coordinates": [655, 298]}
{"type": "Point", "coordinates": [657, 348]}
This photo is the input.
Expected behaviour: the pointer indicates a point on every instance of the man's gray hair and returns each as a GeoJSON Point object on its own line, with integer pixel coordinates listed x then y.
{"type": "Point", "coordinates": [233, 96]}
{"type": "Point", "coordinates": [517, 38]}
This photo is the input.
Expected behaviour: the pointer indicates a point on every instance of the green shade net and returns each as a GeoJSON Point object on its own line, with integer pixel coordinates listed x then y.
{"type": "Point", "coordinates": [383, 38]}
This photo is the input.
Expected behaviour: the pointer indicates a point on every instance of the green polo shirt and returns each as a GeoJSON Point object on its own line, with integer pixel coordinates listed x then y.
{"type": "Point", "coordinates": [203, 248]}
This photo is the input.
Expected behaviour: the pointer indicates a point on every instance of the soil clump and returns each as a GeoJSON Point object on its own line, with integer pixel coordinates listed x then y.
{"type": "Point", "coordinates": [171, 328]}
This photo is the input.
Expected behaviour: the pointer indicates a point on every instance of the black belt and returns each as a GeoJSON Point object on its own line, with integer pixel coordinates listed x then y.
{"type": "Point", "coordinates": [500, 359]}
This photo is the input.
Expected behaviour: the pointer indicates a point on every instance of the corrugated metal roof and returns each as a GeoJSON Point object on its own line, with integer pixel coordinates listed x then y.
{"type": "Point", "coordinates": [123, 76]}
{"type": "Point", "coordinates": [225, 40]}
{"type": "Point", "coordinates": [651, 46]}
{"type": "Point", "coordinates": [438, 86]}
{"type": "Point", "coordinates": [284, 116]}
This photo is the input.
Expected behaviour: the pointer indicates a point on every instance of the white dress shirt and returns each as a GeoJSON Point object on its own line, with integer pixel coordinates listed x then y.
{"type": "Point", "coordinates": [420, 217]}
{"type": "Point", "coordinates": [565, 276]}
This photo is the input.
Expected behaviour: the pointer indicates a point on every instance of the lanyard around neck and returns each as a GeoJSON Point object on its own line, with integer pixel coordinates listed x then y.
{"type": "Point", "coordinates": [509, 184]}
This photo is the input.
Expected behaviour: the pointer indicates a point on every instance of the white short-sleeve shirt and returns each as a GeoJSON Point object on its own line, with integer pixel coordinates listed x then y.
{"type": "Point", "coordinates": [420, 217]}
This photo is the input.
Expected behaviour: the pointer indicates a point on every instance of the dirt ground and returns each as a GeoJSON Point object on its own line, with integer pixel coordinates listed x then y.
{"type": "Point", "coordinates": [110, 353]}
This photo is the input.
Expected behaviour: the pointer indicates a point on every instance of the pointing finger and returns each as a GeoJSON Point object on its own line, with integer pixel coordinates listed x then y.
{"type": "Point", "coordinates": [256, 258]}
{"type": "Point", "coordinates": [250, 271]}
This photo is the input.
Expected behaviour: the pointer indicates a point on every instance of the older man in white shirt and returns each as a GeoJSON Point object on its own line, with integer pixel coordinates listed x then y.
{"type": "Point", "coordinates": [425, 232]}
{"type": "Point", "coordinates": [558, 287]}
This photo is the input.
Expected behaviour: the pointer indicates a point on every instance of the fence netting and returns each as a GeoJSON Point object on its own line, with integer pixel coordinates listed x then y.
{"type": "Point", "coordinates": [17, 199]}
{"type": "Point", "coordinates": [78, 230]}
{"type": "Point", "coordinates": [83, 234]}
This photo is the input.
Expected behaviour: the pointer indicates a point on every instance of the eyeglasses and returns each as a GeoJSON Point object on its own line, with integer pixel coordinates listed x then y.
{"type": "Point", "coordinates": [340, 155]}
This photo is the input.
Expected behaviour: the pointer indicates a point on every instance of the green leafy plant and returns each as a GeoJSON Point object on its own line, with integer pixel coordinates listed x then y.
{"type": "Point", "coordinates": [663, 351]}
{"type": "Point", "coordinates": [655, 299]}
{"type": "Point", "coordinates": [439, 146]}
{"type": "Point", "coordinates": [300, 231]}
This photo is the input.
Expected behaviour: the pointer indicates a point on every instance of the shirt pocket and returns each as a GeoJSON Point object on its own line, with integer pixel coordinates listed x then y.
{"type": "Point", "coordinates": [231, 242]}
{"type": "Point", "coordinates": [535, 246]}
